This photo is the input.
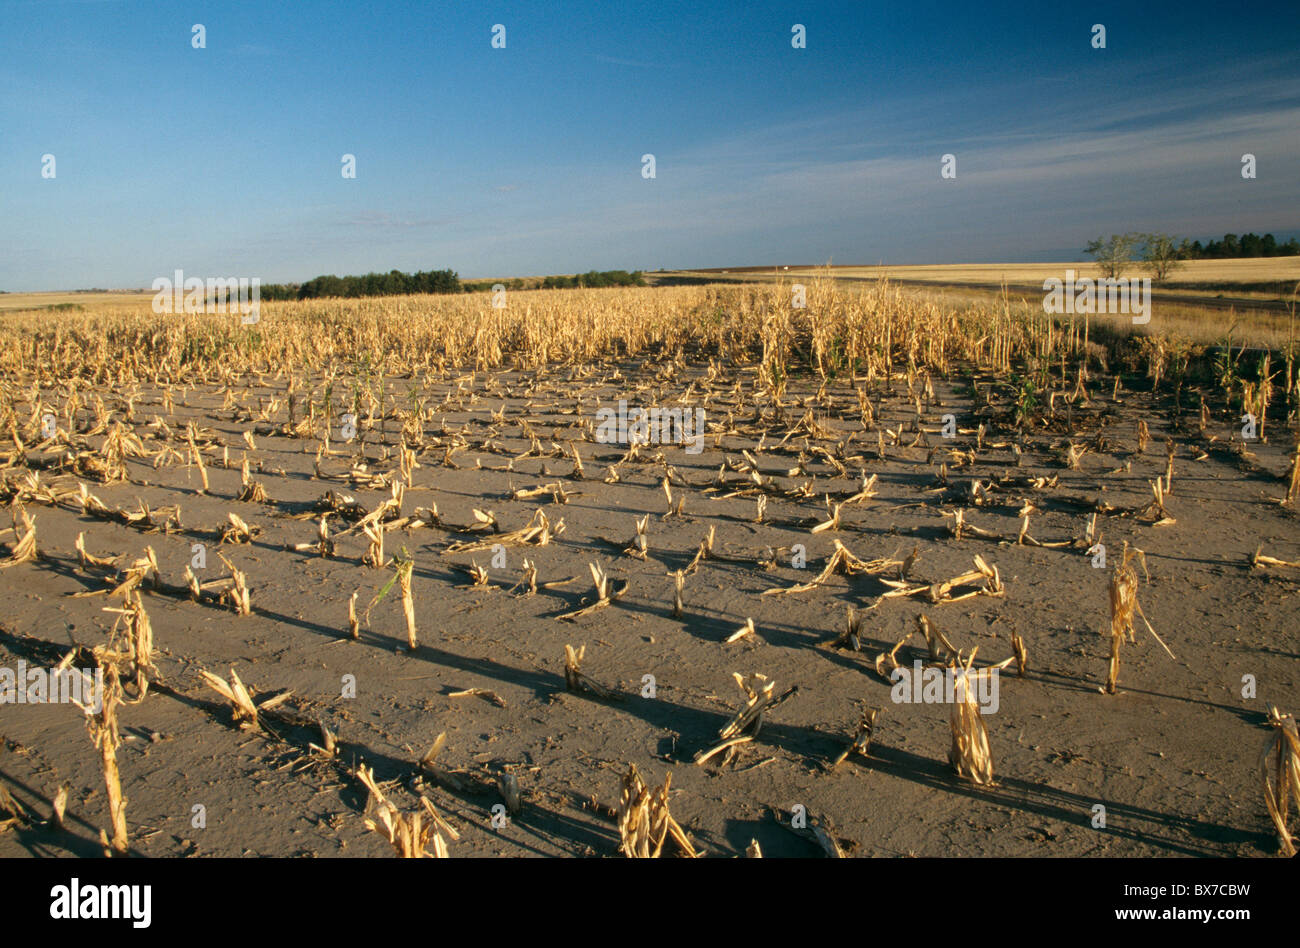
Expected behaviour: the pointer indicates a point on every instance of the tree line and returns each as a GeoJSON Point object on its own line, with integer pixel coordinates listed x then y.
{"type": "Point", "coordinates": [397, 283]}
{"type": "Point", "coordinates": [1248, 245]}
{"type": "Point", "coordinates": [1161, 254]}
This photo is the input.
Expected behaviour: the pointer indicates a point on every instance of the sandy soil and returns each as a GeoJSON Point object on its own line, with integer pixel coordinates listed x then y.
{"type": "Point", "coordinates": [1173, 757]}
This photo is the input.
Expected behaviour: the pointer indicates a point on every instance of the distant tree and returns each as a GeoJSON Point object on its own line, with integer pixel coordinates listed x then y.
{"type": "Point", "coordinates": [1160, 255]}
{"type": "Point", "coordinates": [1113, 253]}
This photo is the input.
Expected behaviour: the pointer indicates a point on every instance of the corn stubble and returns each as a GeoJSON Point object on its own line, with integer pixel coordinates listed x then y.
{"type": "Point", "coordinates": [870, 331]}
{"type": "Point", "coordinates": [645, 824]}
{"type": "Point", "coordinates": [410, 834]}
{"type": "Point", "coordinates": [106, 738]}
{"type": "Point", "coordinates": [1123, 607]}
{"type": "Point", "coordinates": [1280, 770]}
{"type": "Point", "coordinates": [969, 754]}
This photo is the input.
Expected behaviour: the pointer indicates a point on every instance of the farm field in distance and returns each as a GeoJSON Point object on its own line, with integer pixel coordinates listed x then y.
{"type": "Point", "coordinates": [1239, 275]}
{"type": "Point", "coordinates": [404, 525]}
{"type": "Point", "coordinates": [1198, 300]}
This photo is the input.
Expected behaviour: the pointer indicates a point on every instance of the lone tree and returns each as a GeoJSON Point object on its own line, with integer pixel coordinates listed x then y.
{"type": "Point", "coordinates": [1113, 253]}
{"type": "Point", "coordinates": [1162, 255]}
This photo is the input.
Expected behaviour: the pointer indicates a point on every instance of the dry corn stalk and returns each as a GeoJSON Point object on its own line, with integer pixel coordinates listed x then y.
{"type": "Point", "coordinates": [959, 527]}
{"type": "Point", "coordinates": [24, 550]}
{"type": "Point", "coordinates": [860, 743]}
{"type": "Point", "coordinates": [744, 630]}
{"type": "Point", "coordinates": [251, 491]}
{"type": "Point", "coordinates": [428, 764]}
{"type": "Point", "coordinates": [327, 749]}
{"type": "Point", "coordinates": [538, 531]}
{"type": "Point", "coordinates": [104, 734]}
{"type": "Point", "coordinates": [639, 545]}
{"type": "Point", "coordinates": [409, 834]}
{"type": "Point", "coordinates": [1022, 655]}
{"type": "Point", "coordinates": [245, 710]}
{"type": "Point", "coordinates": [942, 592]}
{"type": "Point", "coordinates": [1259, 559]}
{"type": "Point", "coordinates": [704, 552]}
{"type": "Point", "coordinates": [850, 638]}
{"type": "Point", "coordinates": [606, 593]}
{"type": "Point", "coordinates": [841, 561]}
{"type": "Point", "coordinates": [1123, 606]}
{"type": "Point", "coordinates": [324, 546]}
{"type": "Point", "coordinates": [1155, 510]}
{"type": "Point", "coordinates": [60, 805]}
{"type": "Point", "coordinates": [141, 568]}
{"type": "Point", "coordinates": [90, 560]}
{"type": "Point", "coordinates": [644, 822]}
{"type": "Point", "coordinates": [237, 531]}
{"type": "Point", "coordinates": [1123, 601]}
{"type": "Point", "coordinates": [138, 632]}
{"type": "Point", "coordinates": [19, 815]}
{"type": "Point", "coordinates": [833, 520]}
{"type": "Point", "coordinates": [528, 579]}
{"type": "Point", "coordinates": [1293, 478]}
{"type": "Point", "coordinates": [1280, 766]}
{"type": "Point", "coordinates": [374, 555]}
{"type": "Point", "coordinates": [890, 658]}
{"type": "Point", "coordinates": [819, 831]}
{"type": "Point", "coordinates": [969, 754]}
{"type": "Point", "coordinates": [237, 592]}
{"type": "Point", "coordinates": [579, 683]}
{"type": "Point", "coordinates": [405, 569]}
{"type": "Point", "coordinates": [748, 721]}
{"type": "Point", "coordinates": [197, 457]}
{"type": "Point", "coordinates": [114, 453]}
{"type": "Point", "coordinates": [485, 693]}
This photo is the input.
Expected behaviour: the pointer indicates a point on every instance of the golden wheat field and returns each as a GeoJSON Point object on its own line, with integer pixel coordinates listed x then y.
{"type": "Point", "coordinates": [412, 575]}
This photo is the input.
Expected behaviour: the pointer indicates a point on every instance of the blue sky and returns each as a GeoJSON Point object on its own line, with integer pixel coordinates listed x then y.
{"type": "Point", "coordinates": [527, 160]}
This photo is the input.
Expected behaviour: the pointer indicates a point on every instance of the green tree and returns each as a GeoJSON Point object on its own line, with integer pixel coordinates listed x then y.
{"type": "Point", "coordinates": [1113, 253]}
{"type": "Point", "coordinates": [1160, 255]}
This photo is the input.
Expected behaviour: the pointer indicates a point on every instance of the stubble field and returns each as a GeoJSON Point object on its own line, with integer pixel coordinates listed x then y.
{"type": "Point", "coordinates": [265, 501]}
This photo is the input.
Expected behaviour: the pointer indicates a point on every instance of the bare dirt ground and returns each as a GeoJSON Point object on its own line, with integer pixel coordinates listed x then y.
{"type": "Point", "coordinates": [1173, 757]}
